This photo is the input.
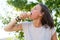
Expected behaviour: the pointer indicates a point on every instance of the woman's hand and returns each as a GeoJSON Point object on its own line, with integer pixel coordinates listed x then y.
{"type": "Point", "coordinates": [24, 15]}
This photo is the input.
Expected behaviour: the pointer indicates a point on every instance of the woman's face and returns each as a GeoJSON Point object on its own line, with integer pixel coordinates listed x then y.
{"type": "Point", "coordinates": [36, 12]}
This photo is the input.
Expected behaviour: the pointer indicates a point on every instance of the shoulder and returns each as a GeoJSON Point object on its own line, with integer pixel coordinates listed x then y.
{"type": "Point", "coordinates": [53, 30]}
{"type": "Point", "coordinates": [26, 23]}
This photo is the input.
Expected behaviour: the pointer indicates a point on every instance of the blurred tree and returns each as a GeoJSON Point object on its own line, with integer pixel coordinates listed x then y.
{"type": "Point", "coordinates": [22, 5]}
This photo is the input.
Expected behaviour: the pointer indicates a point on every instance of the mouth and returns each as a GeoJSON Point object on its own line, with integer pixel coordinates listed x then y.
{"type": "Point", "coordinates": [31, 13]}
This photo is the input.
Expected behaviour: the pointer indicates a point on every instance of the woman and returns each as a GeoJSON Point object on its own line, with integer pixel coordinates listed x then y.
{"type": "Point", "coordinates": [41, 27]}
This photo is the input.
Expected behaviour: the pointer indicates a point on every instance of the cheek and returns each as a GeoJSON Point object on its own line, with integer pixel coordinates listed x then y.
{"type": "Point", "coordinates": [34, 15]}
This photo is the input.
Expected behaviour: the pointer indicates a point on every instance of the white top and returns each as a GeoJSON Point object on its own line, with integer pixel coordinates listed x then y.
{"type": "Point", "coordinates": [33, 33]}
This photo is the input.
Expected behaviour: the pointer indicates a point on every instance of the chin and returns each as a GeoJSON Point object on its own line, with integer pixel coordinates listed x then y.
{"type": "Point", "coordinates": [33, 18]}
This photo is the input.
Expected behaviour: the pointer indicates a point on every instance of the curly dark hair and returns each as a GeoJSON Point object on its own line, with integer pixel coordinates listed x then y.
{"type": "Point", "coordinates": [46, 19]}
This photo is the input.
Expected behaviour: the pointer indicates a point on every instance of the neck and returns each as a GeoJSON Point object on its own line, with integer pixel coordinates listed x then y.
{"type": "Point", "coordinates": [37, 23]}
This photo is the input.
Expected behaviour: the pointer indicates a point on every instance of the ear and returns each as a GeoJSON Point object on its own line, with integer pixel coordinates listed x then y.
{"type": "Point", "coordinates": [41, 14]}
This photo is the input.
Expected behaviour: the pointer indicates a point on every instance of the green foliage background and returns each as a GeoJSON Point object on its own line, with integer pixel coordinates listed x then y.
{"type": "Point", "coordinates": [23, 5]}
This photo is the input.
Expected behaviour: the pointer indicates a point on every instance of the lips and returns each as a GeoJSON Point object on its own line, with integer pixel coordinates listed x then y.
{"type": "Point", "coordinates": [31, 13]}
